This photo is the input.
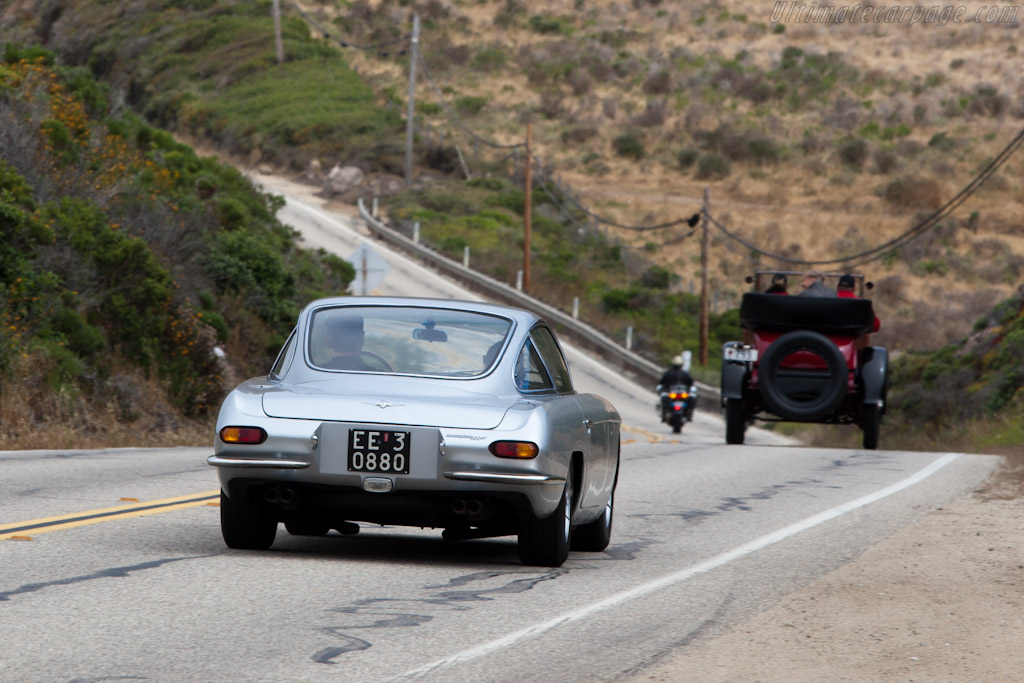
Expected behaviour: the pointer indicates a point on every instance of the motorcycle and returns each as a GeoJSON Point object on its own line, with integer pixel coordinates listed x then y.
{"type": "Point", "coordinates": [677, 404]}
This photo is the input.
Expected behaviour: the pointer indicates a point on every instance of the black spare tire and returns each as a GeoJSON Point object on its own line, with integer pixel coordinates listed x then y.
{"type": "Point", "coordinates": [800, 393]}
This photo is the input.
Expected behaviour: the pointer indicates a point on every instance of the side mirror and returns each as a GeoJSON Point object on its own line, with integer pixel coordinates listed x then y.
{"type": "Point", "coordinates": [429, 334]}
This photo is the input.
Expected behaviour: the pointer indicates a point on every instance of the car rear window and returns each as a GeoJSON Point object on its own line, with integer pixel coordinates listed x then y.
{"type": "Point", "coordinates": [406, 340]}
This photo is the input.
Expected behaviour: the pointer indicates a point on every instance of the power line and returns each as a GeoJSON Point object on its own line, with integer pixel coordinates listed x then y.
{"type": "Point", "coordinates": [901, 240]}
{"type": "Point", "coordinates": [691, 221]}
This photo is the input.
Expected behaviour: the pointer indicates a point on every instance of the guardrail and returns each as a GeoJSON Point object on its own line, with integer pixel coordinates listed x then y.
{"type": "Point", "coordinates": [637, 368]}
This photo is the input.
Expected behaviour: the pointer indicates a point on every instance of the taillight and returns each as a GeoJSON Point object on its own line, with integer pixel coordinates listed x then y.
{"type": "Point", "coordinates": [674, 396]}
{"type": "Point", "coordinates": [524, 450]}
{"type": "Point", "coordinates": [247, 435]}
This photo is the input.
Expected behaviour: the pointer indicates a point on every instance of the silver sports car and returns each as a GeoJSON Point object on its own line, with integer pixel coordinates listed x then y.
{"type": "Point", "coordinates": [418, 412]}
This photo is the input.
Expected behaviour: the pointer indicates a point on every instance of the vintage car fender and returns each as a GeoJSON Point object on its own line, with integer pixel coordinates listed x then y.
{"type": "Point", "coordinates": [734, 375]}
{"type": "Point", "coordinates": [874, 367]}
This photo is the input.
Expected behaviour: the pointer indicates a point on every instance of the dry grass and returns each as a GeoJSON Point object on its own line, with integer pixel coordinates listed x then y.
{"type": "Point", "coordinates": [132, 410]}
{"type": "Point", "coordinates": [807, 205]}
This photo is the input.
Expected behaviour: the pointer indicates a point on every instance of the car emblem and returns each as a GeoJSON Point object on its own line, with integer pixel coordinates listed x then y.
{"type": "Point", "coordinates": [385, 404]}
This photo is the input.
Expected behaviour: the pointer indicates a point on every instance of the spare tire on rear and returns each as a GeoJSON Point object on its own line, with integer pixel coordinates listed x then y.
{"type": "Point", "coordinates": [800, 393]}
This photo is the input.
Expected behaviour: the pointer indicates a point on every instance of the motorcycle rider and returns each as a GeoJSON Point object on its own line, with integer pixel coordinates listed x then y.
{"type": "Point", "coordinates": [676, 375]}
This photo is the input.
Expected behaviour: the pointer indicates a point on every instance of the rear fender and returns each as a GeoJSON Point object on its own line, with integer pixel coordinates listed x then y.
{"type": "Point", "coordinates": [734, 376]}
{"type": "Point", "coordinates": [874, 367]}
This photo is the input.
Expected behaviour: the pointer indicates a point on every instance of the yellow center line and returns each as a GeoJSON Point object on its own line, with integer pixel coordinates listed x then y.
{"type": "Point", "coordinates": [77, 519]}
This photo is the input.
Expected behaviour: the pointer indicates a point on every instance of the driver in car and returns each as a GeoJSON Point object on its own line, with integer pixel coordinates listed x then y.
{"type": "Point", "coordinates": [345, 335]}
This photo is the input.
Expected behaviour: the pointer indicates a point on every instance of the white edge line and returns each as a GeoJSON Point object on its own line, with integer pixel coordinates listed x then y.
{"type": "Point", "coordinates": [681, 575]}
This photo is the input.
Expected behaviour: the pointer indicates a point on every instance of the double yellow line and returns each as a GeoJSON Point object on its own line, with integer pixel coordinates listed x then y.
{"type": "Point", "coordinates": [25, 530]}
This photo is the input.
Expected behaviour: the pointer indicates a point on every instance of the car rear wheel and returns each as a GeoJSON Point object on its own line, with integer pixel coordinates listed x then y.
{"type": "Point", "coordinates": [246, 525]}
{"type": "Point", "coordinates": [870, 421]}
{"type": "Point", "coordinates": [595, 536]}
{"type": "Point", "coordinates": [545, 542]}
{"type": "Point", "coordinates": [735, 421]}
{"type": "Point", "coordinates": [798, 392]}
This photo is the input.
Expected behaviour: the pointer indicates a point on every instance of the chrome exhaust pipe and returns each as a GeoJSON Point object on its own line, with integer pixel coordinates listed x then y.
{"type": "Point", "coordinates": [459, 506]}
{"type": "Point", "coordinates": [286, 496]}
{"type": "Point", "coordinates": [271, 494]}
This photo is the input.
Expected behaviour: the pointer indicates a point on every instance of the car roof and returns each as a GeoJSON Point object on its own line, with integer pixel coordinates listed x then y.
{"type": "Point", "coordinates": [519, 315]}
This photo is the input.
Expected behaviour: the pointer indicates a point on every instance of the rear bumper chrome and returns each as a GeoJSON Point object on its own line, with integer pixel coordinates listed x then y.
{"type": "Point", "coordinates": [268, 463]}
{"type": "Point", "coordinates": [504, 478]}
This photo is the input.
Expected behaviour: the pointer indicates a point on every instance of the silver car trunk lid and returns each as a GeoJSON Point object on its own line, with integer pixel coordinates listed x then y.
{"type": "Point", "coordinates": [327, 401]}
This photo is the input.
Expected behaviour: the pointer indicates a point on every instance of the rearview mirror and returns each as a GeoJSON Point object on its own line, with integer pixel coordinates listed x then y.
{"type": "Point", "coordinates": [429, 335]}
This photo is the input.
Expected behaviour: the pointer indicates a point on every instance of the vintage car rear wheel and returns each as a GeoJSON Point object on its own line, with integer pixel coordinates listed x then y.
{"type": "Point", "coordinates": [246, 525]}
{"type": "Point", "coordinates": [545, 542]}
{"type": "Point", "coordinates": [802, 395]}
{"type": "Point", "coordinates": [595, 536]}
{"type": "Point", "coordinates": [735, 424]}
{"type": "Point", "coordinates": [870, 421]}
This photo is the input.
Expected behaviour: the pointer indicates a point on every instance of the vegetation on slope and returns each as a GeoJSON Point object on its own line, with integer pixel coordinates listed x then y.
{"type": "Point", "coordinates": [139, 280]}
{"type": "Point", "coordinates": [812, 151]}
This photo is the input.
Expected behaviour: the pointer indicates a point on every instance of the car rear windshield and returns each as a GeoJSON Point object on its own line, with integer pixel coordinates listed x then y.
{"type": "Point", "coordinates": [406, 340]}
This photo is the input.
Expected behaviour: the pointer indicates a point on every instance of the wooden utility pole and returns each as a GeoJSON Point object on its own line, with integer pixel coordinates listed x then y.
{"type": "Point", "coordinates": [704, 278]}
{"type": "Point", "coordinates": [527, 211]}
{"type": "Point", "coordinates": [411, 111]}
{"type": "Point", "coordinates": [278, 43]}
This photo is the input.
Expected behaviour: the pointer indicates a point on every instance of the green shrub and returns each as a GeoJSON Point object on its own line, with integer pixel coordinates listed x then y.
{"type": "Point", "coordinates": [470, 105]}
{"type": "Point", "coordinates": [82, 338]}
{"type": "Point", "coordinates": [853, 152]}
{"type": "Point", "coordinates": [546, 24]}
{"type": "Point", "coordinates": [712, 167]}
{"type": "Point", "coordinates": [687, 157]}
{"type": "Point", "coordinates": [489, 59]}
{"type": "Point", "coordinates": [631, 145]}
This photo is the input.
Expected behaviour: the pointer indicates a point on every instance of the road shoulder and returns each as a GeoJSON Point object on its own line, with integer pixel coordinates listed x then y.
{"type": "Point", "coordinates": [940, 600]}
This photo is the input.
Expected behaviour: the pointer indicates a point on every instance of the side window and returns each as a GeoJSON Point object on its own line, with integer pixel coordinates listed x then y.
{"type": "Point", "coordinates": [530, 374]}
{"type": "Point", "coordinates": [283, 357]}
{"type": "Point", "coordinates": [553, 359]}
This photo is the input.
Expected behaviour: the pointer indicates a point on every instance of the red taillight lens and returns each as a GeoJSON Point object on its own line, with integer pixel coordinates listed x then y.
{"type": "Point", "coordinates": [523, 450]}
{"type": "Point", "coordinates": [249, 435]}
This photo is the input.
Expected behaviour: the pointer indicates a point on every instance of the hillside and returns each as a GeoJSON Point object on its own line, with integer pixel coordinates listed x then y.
{"type": "Point", "coordinates": [140, 281]}
{"type": "Point", "coordinates": [817, 141]}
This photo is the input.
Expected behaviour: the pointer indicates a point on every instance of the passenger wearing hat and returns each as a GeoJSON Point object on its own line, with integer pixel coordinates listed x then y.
{"type": "Point", "coordinates": [676, 375]}
{"type": "Point", "coordinates": [813, 284]}
{"type": "Point", "coordinates": [778, 285]}
{"type": "Point", "coordinates": [845, 290]}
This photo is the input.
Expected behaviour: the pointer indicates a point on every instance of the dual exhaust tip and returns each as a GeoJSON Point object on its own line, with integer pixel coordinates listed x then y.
{"type": "Point", "coordinates": [472, 508]}
{"type": "Point", "coordinates": [280, 496]}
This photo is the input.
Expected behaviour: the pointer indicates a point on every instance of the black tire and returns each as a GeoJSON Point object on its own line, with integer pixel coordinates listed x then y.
{"type": "Point", "coordinates": [677, 423]}
{"type": "Point", "coordinates": [246, 525]}
{"type": "Point", "coordinates": [595, 536]}
{"type": "Point", "coordinates": [735, 421]}
{"type": "Point", "coordinates": [798, 394]}
{"type": "Point", "coordinates": [870, 421]}
{"type": "Point", "coordinates": [545, 542]}
{"type": "Point", "coordinates": [306, 527]}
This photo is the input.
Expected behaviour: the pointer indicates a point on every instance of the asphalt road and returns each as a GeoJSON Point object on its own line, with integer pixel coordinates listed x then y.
{"type": "Point", "coordinates": [112, 565]}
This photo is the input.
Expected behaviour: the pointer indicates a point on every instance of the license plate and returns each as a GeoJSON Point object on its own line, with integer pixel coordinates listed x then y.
{"type": "Point", "coordinates": [742, 355]}
{"type": "Point", "coordinates": [374, 450]}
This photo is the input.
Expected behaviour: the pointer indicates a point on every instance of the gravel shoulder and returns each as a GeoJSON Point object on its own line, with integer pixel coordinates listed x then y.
{"type": "Point", "coordinates": [940, 600]}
